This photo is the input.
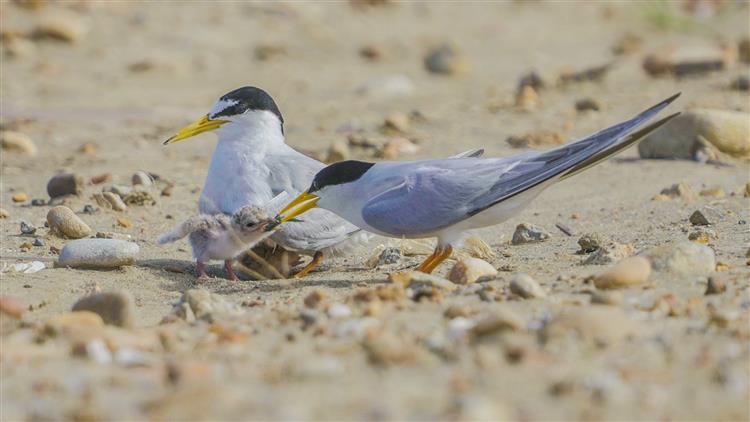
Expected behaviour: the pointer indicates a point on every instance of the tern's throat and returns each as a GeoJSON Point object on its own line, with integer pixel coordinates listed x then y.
{"type": "Point", "coordinates": [253, 131]}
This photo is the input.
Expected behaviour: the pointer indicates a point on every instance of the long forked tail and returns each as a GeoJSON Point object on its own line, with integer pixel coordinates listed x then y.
{"type": "Point", "coordinates": [542, 169]}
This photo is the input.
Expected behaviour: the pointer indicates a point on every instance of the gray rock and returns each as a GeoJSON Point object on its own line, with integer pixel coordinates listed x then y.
{"type": "Point", "coordinates": [698, 219]}
{"type": "Point", "coordinates": [142, 178]}
{"type": "Point", "coordinates": [115, 308]}
{"type": "Point", "coordinates": [684, 258]}
{"type": "Point", "coordinates": [716, 285]}
{"type": "Point", "coordinates": [389, 256]}
{"type": "Point", "coordinates": [525, 286]}
{"type": "Point", "coordinates": [64, 184]}
{"type": "Point", "coordinates": [590, 242]}
{"type": "Point", "coordinates": [98, 253]}
{"type": "Point", "coordinates": [63, 221]}
{"type": "Point", "coordinates": [38, 242]}
{"type": "Point", "coordinates": [680, 190]}
{"type": "Point", "coordinates": [529, 233]}
{"type": "Point", "coordinates": [120, 190]}
{"type": "Point", "coordinates": [27, 228]}
{"type": "Point", "coordinates": [699, 132]}
{"type": "Point", "coordinates": [445, 60]}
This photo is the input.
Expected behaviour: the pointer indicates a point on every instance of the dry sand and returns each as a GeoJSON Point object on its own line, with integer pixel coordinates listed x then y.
{"type": "Point", "coordinates": [407, 360]}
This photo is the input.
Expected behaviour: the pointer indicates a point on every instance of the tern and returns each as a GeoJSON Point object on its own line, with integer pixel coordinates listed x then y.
{"type": "Point", "coordinates": [446, 198]}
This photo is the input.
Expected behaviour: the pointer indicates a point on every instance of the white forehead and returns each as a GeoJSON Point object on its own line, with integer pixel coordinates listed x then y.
{"type": "Point", "coordinates": [221, 105]}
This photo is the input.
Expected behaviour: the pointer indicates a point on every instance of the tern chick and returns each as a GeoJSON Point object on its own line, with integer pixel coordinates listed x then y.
{"type": "Point", "coordinates": [446, 198]}
{"type": "Point", "coordinates": [221, 237]}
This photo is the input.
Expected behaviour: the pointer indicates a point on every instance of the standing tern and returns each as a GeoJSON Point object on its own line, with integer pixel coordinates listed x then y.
{"type": "Point", "coordinates": [252, 164]}
{"type": "Point", "coordinates": [445, 198]}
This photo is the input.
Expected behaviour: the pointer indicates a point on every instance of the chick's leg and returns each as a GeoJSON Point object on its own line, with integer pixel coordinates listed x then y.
{"type": "Point", "coordinates": [317, 258]}
{"type": "Point", "coordinates": [200, 270]}
{"type": "Point", "coordinates": [230, 270]}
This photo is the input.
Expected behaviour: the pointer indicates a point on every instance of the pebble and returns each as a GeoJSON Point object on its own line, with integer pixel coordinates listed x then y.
{"type": "Point", "coordinates": [12, 307]}
{"type": "Point", "coordinates": [409, 278]}
{"type": "Point", "coordinates": [339, 311]}
{"type": "Point", "coordinates": [445, 60]}
{"type": "Point", "coordinates": [713, 192]}
{"type": "Point", "coordinates": [38, 242]}
{"type": "Point", "coordinates": [590, 242]}
{"type": "Point", "coordinates": [529, 233]}
{"type": "Point", "coordinates": [60, 27]}
{"type": "Point", "coordinates": [38, 202]}
{"type": "Point", "coordinates": [387, 256]}
{"type": "Point", "coordinates": [456, 311]}
{"type": "Point", "coordinates": [684, 258]}
{"type": "Point", "coordinates": [716, 285]}
{"type": "Point", "coordinates": [703, 236]}
{"type": "Point", "coordinates": [527, 98]}
{"type": "Point", "coordinates": [89, 209]}
{"type": "Point", "coordinates": [609, 253]}
{"type": "Point", "coordinates": [587, 104]}
{"type": "Point", "coordinates": [394, 148]}
{"type": "Point", "coordinates": [390, 86]}
{"type": "Point", "coordinates": [203, 305]}
{"type": "Point", "coordinates": [110, 200]}
{"type": "Point", "coordinates": [115, 308]}
{"type": "Point", "coordinates": [27, 228]}
{"type": "Point", "coordinates": [315, 298]}
{"type": "Point", "coordinates": [525, 286]}
{"type": "Point", "coordinates": [64, 184]}
{"type": "Point", "coordinates": [628, 272]}
{"type": "Point", "coordinates": [396, 123]}
{"type": "Point", "coordinates": [139, 197]}
{"type": "Point", "coordinates": [4, 214]}
{"type": "Point", "coordinates": [88, 149]}
{"type": "Point", "coordinates": [98, 253]}
{"type": "Point", "coordinates": [25, 246]}
{"type": "Point", "coordinates": [597, 323]}
{"type": "Point", "coordinates": [18, 142]}
{"type": "Point", "coordinates": [384, 348]}
{"type": "Point", "coordinates": [535, 139]}
{"type": "Point", "coordinates": [20, 197]}
{"type": "Point", "coordinates": [265, 52]}
{"type": "Point", "coordinates": [62, 323]}
{"type": "Point", "coordinates": [63, 221]}
{"type": "Point", "coordinates": [698, 219]}
{"type": "Point", "coordinates": [141, 178]}
{"type": "Point", "coordinates": [700, 132]}
{"type": "Point", "coordinates": [120, 190]}
{"type": "Point", "coordinates": [680, 191]}
{"type": "Point", "coordinates": [627, 44]}
{"type": "Point", "coordinates": [592, 74]}
{"type": "Point", "coordinates": [501, 320]}
{"type": "Point", "coordinates": [372, 52]}
{"type": "Point", "coordinates": [531, 79]}
{"type": "Point", "coordinates": [606, 298]}
{"type": "Point", "coordinates": [471, 270]}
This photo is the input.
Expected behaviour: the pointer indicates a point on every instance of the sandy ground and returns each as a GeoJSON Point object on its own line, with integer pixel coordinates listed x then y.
{"type": "Point", "coordinates": [409, 367]}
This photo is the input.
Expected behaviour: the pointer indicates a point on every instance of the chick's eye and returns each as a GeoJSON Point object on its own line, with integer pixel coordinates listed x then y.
{"type": "Point", "coordinates": [250, 224]}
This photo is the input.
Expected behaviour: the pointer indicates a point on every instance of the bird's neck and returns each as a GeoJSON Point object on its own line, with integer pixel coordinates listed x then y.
{"type": "Point", "coordinates": [257, 137]}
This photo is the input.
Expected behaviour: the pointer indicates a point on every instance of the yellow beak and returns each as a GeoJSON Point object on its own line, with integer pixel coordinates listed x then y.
{"type": "Point", "coordinates": [204, 124]}
{"type": "Point", "coordinates": [304, 202]}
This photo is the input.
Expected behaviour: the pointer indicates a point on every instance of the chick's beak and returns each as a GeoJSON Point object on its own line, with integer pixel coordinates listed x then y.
{"type": "Point", "coordinates": [204, 124]}
{"type": "Point", "coordinates": [304, 202]}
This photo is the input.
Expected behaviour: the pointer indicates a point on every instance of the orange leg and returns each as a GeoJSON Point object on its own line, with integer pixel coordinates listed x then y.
{"type": "Point", "coordinates": [314, 263]}
{"type": "Point", "coordinates": [437, 257]}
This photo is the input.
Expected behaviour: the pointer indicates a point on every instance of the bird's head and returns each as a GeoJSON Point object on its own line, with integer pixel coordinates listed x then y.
{"type": "Point", "coordinates": [246, 109]}
{"type": "Point", "coordinates": [326, 189]}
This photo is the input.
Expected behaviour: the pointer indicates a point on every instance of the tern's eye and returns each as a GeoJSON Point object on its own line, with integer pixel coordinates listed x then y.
{"type": "Point", "coordinates": [249, 224]}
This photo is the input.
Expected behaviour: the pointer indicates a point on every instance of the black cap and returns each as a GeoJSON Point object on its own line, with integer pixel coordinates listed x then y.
{"type": "Point", "coordinates": [248, 98]}
{"type": "Point", "coordinates": [339, 173]}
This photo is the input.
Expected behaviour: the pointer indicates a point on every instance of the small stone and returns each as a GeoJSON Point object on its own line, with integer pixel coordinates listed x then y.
{"type": "Point", "coordinates": [383, 348]}
{"type": "Point", "coordinates": [38, 202]}
{"type": "Point", "coordinates": [535, 139]}
{"type": "Point", "coordinates": [203, 305]}
{"type": "Point", "coordinates": [20, 197]}
{"type": "Point", "coordinates": [445, 60]}
{"type": "Point", "coordinates": [396, 147]}
{"type": "Point", "coordinates": [531, 79]}
{"type": "Point", "coordinates": [124, 222]}
{"type": "Point", "coordinates": [38, 242]}
{"type": "Point", "coordinates": [17, 142]}
{"type": "Point", "coordinates": [713, 193]}
{"type": "Point", "coordinates": [698, 219]}
{"type": "Point", "coordinates": [64, 184]}
{"type": "Point", "coordinates": [339, 310]}
{"type": "Point", "coordinates": [716, 285]}
{"type": "Point", "coordinates": [626, 273]}
{"type": "Point", "coordinates": [338, 151]}
{"type": "Point", "coordinates": [371, 52]}
{"type": "Point", "coordinates": [267, 52]}
{"type": "Point", "coordinates": [88, 149]}
{"type": "Point", "coordinates": [167, 191]}
{"type": "Point", "coordinates": [604, 325]}
{"type": "Point", "coordinates": [396, 123]}
{"type": "Point", "coordinates": [60, 27]}
{"type": "Point", "coordinates": [701, 236]}
{"type": "Point", "coordinates": [386, 256]}
{"type": "Point", "coordinates": [501, 320]}
{"type": "Point", "coordinates": [613, 298]}
{"type": "Point", "coordinates": [592, 74]}
{"type": "Point", "coordinates": [627, 44]}
{"type": "Point", "coordinates": [63, 221]}
{"type": "Point", "coordinates": [700, 134]}
{"type": "Point", "coordinates": [4, 214]}
{"type": "Point", "coordinates": [110, 200]}
{"type": "Point", "coordinates": [680, 190]}
{"type": "Point", "coordinates": [98, 253]}
{"type": "Point", "coordinates": [684, 258]}
{"type": "Point", "coordinates": [609, 253]}
{"type": "Point", "coordinates": [89, 209]}
{"type": "Point", "coordinates": [101, 178]}
{"type": "Point", "coordinates": [139, 197]}
{"type": "Point", "coordinates": [115, 308]}
{"type": "Point", "coordinates": [527, 98]}
{"type": "Point", "coordinates": [25, 246]}
{"type": "Point", "coordinates": [408, 278]}
{"type": "Point", "coordinates": [12, 307]}
{"type": "Point", "coordinates": [64, 323]}
{"type": "Point", "coordinates": [590, 242]}
{"type": "Point", "coordinates": [455, 311]}
{"type": "Point", "coordinates": [121, 190]}
{"type": "Point", "coordinates": [471, 270]}
{"type": "Point", "coordinates": [526, 287]}
{"type": "Point", "coordinates": [587, 104]}
{"type": "Point", "coordinates": [141, 178]}
{"type": "Point", "coordinates": [27, 228]}
{"type": "Point", "coordinates": [529, 233]}
{"type": "Point", "coordinates": [315, 298]}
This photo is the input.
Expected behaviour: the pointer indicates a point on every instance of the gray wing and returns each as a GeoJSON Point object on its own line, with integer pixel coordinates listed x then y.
{"type": "Point", "coordinates": [436, 194]}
